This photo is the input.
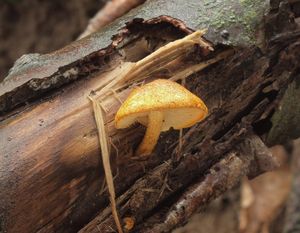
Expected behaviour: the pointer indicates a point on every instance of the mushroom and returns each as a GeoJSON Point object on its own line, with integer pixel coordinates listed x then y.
{"type": "Point", "coordinates": [159, 105]}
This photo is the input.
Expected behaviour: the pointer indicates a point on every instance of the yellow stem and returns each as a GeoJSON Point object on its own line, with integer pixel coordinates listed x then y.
{"type": "Point", "coordinates": [155, 120]}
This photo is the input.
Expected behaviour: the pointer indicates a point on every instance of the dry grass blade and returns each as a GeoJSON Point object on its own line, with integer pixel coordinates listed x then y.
{"type": "Point", "coordinates": [106, 161]}
{"type": "Point", "coordinates": [198, 67]}
{"type": "Point", "coordinates": [116, 77]}
{"type": "Point", "coordinates": [167, 53]}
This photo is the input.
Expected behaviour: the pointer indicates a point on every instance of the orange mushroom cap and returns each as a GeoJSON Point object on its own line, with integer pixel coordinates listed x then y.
{"type": "Point", "coordinates": [180, 107]}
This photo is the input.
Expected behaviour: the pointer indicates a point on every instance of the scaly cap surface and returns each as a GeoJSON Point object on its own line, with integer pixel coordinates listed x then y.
{"type": "Point", "coordinates": [181, 108]}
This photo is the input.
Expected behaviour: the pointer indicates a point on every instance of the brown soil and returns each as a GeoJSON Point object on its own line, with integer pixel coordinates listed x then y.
{"type": "Point", "coordinates": [40, 26]}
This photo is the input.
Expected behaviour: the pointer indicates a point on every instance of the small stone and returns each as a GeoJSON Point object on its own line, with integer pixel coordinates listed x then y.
{"type": "Point", "coordinates": [225, 34]}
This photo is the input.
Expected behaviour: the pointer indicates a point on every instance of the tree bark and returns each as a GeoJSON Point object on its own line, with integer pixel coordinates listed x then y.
{"type": "Point", "coordinates": [50, 163]}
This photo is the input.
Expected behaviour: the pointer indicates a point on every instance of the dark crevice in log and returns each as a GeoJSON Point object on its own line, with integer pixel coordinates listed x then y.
{"type": "Point", "coordinates": [262, 126]}
{"type": "Point", "coordinates": [247, 109]}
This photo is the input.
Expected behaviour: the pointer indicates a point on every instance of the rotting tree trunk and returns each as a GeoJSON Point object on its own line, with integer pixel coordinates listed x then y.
{"type": "Point", "coordinates": [50, 168]}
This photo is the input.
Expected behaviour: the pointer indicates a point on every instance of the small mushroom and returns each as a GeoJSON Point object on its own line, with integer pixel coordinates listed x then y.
{"type": "Point", "coordinates": [160, 105]}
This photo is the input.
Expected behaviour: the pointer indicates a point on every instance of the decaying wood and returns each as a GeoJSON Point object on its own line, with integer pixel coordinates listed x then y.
{"type": "Point", "coordinates": [223, 175]}
{"type": "Point", "coordinates": [50, 168]}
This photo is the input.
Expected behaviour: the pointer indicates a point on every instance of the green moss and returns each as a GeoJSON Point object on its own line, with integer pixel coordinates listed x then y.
{"type": "Point", "coordinates": [252, 14]}
{"type": "Point", "coordinates": [242, 15]}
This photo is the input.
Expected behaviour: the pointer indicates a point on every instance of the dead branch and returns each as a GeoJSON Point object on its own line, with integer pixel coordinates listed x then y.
{"type": "Point", "coordinates": [112, 10]}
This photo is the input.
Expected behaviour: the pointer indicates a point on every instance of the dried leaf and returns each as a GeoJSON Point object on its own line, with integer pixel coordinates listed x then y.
{"type": "Point", "coordinates": [263, 197]}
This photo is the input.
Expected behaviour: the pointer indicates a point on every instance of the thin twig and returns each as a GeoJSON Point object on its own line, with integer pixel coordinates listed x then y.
{"type": "Point", "coordinates": [112, 10]}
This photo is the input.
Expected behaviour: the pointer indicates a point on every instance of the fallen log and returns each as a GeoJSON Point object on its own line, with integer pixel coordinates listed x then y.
{"type": "Point", "coordinates": [50, 167]}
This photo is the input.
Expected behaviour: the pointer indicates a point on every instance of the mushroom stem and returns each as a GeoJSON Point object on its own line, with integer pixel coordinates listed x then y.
{"type": "Point", "coordinates": [155, 120]}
